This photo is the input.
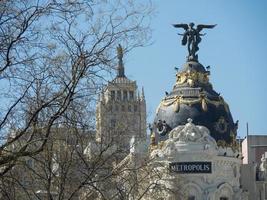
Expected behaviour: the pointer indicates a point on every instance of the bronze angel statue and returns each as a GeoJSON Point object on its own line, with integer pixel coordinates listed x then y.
{"type": "Point", "coordinates": [192, 37]}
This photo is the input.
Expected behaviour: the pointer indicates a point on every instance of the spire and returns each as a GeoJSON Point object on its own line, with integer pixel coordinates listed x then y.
{"type": "Point", "coordinates": [143, 94]}
{"type": "Point", "coordinates": [101, 96]}
{"type": "Point", "coordinates": [120, 72]}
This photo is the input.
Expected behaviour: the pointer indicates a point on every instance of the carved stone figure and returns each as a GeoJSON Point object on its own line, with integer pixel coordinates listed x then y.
{"type": "Point", "coordinates": [263, 168]}
{"type": "Point", "coordinates": [192, 37]}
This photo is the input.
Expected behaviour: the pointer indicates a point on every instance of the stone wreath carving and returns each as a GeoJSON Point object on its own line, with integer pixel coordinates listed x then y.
{"type": "Point", "coordinates": [191, 133]}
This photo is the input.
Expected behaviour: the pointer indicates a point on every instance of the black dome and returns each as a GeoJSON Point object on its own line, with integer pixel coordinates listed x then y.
{"type": "Point", "coordinates": [193, 97]}
{"type": "Point", "coordinates": [194, 66]}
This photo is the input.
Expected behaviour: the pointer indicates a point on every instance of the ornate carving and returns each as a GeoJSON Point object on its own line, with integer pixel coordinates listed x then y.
{"type": "Point", "coordinates": [263, 168]}
{"type": "Point", "coordinates": [192, 133]}
{"type": "Point", "coordinates": [192, 77]}
{"type": "Point", "coordinates": [203, 99]}
{"type": "Point", "coordinates": [221, 125]}
{"type": "Point", "coordinates": [162, 127]}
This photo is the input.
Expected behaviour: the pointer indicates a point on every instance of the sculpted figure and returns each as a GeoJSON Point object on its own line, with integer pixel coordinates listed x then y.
{"type": "Point", "coordinates": [192, 37]}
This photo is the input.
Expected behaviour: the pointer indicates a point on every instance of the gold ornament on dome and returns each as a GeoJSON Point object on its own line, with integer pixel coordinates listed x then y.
{"type": "Point", "coordinates": [192, 77]}
{"type": "Point", "coordinates": [202, 99]}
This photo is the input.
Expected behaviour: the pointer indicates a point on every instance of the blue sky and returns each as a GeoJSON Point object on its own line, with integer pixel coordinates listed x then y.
{"type": "Point", "coordinates": [236, 50]}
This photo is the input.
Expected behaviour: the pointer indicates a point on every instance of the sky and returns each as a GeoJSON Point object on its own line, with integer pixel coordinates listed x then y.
{"type": "Point", "coordinates": [236, 50]}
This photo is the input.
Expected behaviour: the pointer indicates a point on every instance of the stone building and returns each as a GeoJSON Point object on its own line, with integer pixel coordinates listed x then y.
{"type": "Point", "coordinates": [120, 122]}
{"type": "Point", "coordinates": [254, 167]}
{"type": "Point", "coordinates": [54, 173]}
{"type": "Point", "coordinates": [193, 149]}
{"type": "Point", "coordinates": [199, 169]}
{"type": "Point", "coordinates": [253, 147]}
{"type": "Point", "coordinates": [121, 111]}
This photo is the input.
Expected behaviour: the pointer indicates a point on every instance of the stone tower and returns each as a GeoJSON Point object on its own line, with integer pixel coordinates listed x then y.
{"type": "Point", "coordinates": [121, 111]}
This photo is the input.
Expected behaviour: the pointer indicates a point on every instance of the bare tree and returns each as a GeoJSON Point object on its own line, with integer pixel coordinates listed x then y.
{"type": "Point", "coordinates": [54, 56]}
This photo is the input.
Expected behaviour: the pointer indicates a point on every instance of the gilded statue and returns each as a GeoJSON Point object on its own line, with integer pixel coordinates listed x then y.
{"type": "Point", "coordinates": [192, 37]}
{"type": "Point", "coordinates": [119, 52]}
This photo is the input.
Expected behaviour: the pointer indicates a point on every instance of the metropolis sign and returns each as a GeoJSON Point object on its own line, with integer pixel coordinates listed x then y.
{"type": "Point", "coordinates": [191, 167]}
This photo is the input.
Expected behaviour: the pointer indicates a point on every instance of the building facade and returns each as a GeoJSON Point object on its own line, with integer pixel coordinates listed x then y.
{"type": "Point", "coordinates": [194, 137]}
{"type": "Point", "coordinates": [253, 169]}
{"type": "Point", "coordinates": [193, 143]}
{"type": "Point", "coordinates": [199, 169]}
{"type": "Point", "coordinates": [253, 147]}
{"type": "Point", "coordinates": [121, 111]}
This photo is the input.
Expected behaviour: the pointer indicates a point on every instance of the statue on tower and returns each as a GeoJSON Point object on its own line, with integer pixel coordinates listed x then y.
{"type": "Point", "coordinates": [120, 69]}
{"type": "Point", "coordinates": [192, 37]}
{"type": "Point", "coordinates": [119, 52]}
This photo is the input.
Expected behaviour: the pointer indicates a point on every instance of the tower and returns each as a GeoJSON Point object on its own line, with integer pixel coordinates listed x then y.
{"type": "Point", "coordinates": [120, 111]}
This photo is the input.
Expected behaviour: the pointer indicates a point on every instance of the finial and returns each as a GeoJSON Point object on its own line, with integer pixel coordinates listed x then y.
{"type": "Point", "coordinates": [120, 72]}
{"type": "Point", "coordinates": [143, 94]}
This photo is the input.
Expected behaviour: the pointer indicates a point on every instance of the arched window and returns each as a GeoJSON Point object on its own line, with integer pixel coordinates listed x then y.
{"type": "Point", "coordinates": [112, 94]}
{"type": "Point", "coordinates": [131, 94]}
{"type": "Point", "coordinates": [129, 108]}
{"type": "Point", "coordinates": [118, 95]}
{"type": "Point", "coordinates": [135, 108]}
{"type": "Point", "coordinates": [125, 95]}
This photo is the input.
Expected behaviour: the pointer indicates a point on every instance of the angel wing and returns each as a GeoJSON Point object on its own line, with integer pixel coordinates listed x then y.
{"type": "Point", "coordinates": [200, 27]}
{"type": "Point", "coordinates": [184, 26]}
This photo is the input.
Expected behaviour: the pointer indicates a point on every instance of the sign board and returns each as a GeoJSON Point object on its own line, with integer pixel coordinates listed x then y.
{"type": "Point", "coordinates": [191, 167]}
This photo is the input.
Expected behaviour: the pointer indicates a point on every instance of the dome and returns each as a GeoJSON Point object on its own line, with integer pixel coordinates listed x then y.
{"type": "Point", "coordinates": [193, 97]}
{"type": "Point", "coordinates": [193, 65]}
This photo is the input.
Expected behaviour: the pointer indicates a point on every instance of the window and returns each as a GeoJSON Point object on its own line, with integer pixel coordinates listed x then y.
{"type": "Point", "coordinates": [112, 95]}
{"type": "Point", "coordinates": [125, 95]}
{"type": "Point", "coordinates": [135, 108]}
{"type": "Point", "coordinates": [116, 108]}
{"type": "Point", "coordinates": [118, 95]}
{"type": "Point", "coordinates": [112, 123]}
{"type": "Point", "coordinates": [123, 108]}
{"type": "Point", "coordinates": [191, 198]}
{"type": "Point", "coordinates": [29, 163]}
{"type": "Point", "coordinates": [223, 198]}
{"type": "Point", "coordinates": [131, 93]}
{"type": "Point", "coordinates": [129, 108]}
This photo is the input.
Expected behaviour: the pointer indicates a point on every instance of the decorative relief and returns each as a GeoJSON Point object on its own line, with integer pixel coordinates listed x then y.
{"type": "Point", "coordinates": [192, 77]}
{"type": "Point", "coordinates": [221, 125]}
{"type": "Point", "coordinates": [188, 133]}
{"type": "Point", "coordinates": [162, 127]}
{"type": "Point", "coordinates": [202, 99]}
{"type": "Point", "coordinates": [192, 133]}
{"type": "Point", "coordinates": [263, 168]}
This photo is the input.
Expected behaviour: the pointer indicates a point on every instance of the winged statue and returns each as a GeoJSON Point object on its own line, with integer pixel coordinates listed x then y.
{"type": "Point", "coordinates": [192, 37]}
